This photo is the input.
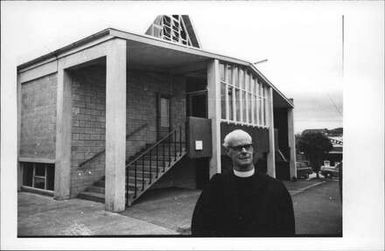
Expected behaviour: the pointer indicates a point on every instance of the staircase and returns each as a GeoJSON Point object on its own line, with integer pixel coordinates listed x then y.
{"type": "Point", "coordinates": [145, 169]}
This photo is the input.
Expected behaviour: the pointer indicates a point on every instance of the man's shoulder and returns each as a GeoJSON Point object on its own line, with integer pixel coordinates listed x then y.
{"type": "Point", "coordinates": [218, 178]}
{"type": "Point", "coordinates": [273, 183]}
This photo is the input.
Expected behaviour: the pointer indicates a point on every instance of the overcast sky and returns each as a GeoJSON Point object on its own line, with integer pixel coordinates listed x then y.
{"type": "Point", "coordinates": [301, 40]}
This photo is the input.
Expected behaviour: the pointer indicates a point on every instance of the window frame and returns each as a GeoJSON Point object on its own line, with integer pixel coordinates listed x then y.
{"type": "Point", "coordinates": [34, 166]}
{"type": "Point", "coordinates": [243, 84]}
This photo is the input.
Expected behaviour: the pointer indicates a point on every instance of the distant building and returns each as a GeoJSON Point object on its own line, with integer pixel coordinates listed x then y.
{"type": "Point", "coordinates": [116, 113]}
{"type": "Point", "coordinates": [335, 155]}
{"type": "Point", "coordinates": [336, 138]}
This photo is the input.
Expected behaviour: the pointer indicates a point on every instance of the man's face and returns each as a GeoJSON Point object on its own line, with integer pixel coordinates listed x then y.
{"type": "Point", "coordinates": [240, 150]}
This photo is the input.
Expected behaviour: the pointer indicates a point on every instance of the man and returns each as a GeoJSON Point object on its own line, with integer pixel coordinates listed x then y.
{"type": "Point", "coordinates": [244, 202]}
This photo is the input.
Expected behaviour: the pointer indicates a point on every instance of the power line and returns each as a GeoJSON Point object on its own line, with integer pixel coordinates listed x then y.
{"type": "Point", "coordinates": [334, 104]}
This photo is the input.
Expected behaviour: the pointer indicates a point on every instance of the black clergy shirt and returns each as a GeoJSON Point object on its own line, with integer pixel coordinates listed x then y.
{"type": "Point", "coordinates": [253, 206]}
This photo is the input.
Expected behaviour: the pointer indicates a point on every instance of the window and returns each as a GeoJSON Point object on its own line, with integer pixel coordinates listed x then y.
{"type": "Point", "coordinates": [246, 99]}
{"type": "Point", "coordinates": [39, 175]}
{"type": "Point", "coordinates": [174, 30]}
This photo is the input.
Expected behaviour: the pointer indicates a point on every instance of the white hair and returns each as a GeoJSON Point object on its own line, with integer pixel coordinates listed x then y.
{"type": "Point", "coordinates": [235, 134]}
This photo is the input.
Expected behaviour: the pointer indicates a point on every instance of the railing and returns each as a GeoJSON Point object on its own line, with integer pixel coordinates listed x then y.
{"type": "Point", "coordinates": [102, 151]}
{"type": "Point", "coordinates": [159, 152]}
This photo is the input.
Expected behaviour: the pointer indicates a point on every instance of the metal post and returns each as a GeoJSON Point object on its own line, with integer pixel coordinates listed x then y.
{"type": "Point", "coordinates": [164, 157]}
{"type": "Point", "coordinates": [142, 174]}
{"type": "Point", "coordinates": [150, 166]}
{"type": "Point", "coordinates": [157, 160]}
{"type": "Point", "coordinates": [175, 144]}
{"type": "Point", "coordinates": [135, 180]}
{"type": "Point", "coordinates": [180, 140]}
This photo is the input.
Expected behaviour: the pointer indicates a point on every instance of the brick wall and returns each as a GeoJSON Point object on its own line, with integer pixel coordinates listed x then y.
{"type": "Point", "coordinates": [88, 126]}
{"type": "Point", "coordinates": [88, 110]}
{"type": "Point", "coordinates": [38, 118]}
{"type": "Point", "coordinates": [183, 174]}
{"type": "Point", "coordinates": [178, 103]}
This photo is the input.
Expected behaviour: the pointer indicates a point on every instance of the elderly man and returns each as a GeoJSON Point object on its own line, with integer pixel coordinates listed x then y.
{"type": "Point", "coordinates": [244, 202]}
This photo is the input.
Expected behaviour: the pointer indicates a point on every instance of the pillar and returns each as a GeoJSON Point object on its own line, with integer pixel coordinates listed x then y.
{"type": "Point", "coordinates": [291, 140]}
{"type": "Point", "coordinates": [115, 126]}
{"type": "Point", "coordinates": [271, 154]}
{"type": "Point", "coordinates": [18, 165]}
{"type": "Point", "coordinates": [214, 113]}
{"type": "Point", "coordinates": [63, 135]}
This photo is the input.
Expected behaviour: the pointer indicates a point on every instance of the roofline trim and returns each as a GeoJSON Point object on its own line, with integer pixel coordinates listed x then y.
{"type": "Point", "coordinates": [272, 86]}
{"type": "Point", "coordinates": [153, 41]}
{"type": "Point", "coordinates": [170, 45]}
{"type": "Point", "coordinates": [57, 52]}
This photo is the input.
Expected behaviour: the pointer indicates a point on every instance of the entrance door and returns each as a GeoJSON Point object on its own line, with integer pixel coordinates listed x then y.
{"type": "Point", "coordinates": [163, 116]}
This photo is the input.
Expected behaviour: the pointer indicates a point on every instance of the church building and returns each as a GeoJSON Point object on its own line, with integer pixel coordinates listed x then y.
{"type": "Point", "coordinates": [115, 114]}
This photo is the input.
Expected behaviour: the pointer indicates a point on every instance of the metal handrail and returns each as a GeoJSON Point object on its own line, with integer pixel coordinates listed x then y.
{"type": "Point", "coordinates": [102, 151]}
{"type": "Point", "coordinates": [151, 148]}
{"type": "Point", "coordinates": [138, 164]}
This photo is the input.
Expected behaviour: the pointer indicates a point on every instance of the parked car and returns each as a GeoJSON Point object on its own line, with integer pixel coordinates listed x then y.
{"type": "Point", "coordinates": [329, 171]}
{"type": "Point", "coordinates": [303, 170]}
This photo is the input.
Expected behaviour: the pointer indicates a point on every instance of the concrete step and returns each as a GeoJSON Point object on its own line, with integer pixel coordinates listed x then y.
{"type": "Point", "coordinates": [145, 174]}
{"type": "Point", "coordinates": [139, 180]}
{"type": "Point", "coordinates": [161, 157]}
{"type": "Point", "coordinates": [153, 161]}
{"type": "Point", "coordinates": [96, 189]}
{"type": "Point", "coordinates": [140, 168]}
{"type": "Point", "coordinates": [99, 197]}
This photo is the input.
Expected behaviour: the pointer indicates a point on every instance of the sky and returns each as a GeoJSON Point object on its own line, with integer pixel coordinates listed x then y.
{"type": "Point", "coordinates": [302, 41]}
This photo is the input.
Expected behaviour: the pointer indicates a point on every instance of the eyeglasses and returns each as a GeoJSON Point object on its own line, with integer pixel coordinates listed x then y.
{"type": "Point", "coordinates": [240, 147]}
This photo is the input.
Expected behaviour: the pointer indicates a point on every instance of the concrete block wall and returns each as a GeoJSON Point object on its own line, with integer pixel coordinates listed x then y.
{"type": "Point", "coordinates": [88, 126]}
{"type": "Point", "coordinates": [178, 103]}
{"type": "Point", "coordinates": [88, 117]}
{"type": "Point", "coordinates": [142, 91]}
{"type": "Point", "coordinates": [38, 118]}
{"type": "Point", "coordinates": [183, 174]}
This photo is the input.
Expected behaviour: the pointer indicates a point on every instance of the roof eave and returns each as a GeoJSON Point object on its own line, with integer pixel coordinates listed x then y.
{"type": "Point", "coordinates": [57, 52]}
{"type": "Point", "coordinates": [156, 42]}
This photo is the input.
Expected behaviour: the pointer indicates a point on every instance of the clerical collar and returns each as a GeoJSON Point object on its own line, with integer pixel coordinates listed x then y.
{"type": "Point", "coordinates": [244, 174]}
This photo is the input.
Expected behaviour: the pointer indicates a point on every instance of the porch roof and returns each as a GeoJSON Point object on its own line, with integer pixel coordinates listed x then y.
{"type": "Point", "coordinates": [149, 52]}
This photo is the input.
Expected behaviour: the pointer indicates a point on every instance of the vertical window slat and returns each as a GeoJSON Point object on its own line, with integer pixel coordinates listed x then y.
{"type": "Point", "coordinates": [233, 93]}
{"type": "Point", "coordinates": [256, 114]}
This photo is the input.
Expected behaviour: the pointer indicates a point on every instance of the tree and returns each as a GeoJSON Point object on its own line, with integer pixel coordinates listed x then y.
{"type": "Point", "coordinates": [315, 146]}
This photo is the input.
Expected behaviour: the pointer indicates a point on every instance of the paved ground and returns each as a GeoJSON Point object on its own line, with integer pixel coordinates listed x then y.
{"type": "Point", "coordinates": [318, 211]}
{"type": "Point", "coordinates": [40, 215]}
{"type": "Point", "coordinates": [166, 212]}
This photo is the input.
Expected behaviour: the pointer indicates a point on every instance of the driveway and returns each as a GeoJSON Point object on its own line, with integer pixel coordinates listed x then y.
{"type": "Point", "coordinates": [166, 212]}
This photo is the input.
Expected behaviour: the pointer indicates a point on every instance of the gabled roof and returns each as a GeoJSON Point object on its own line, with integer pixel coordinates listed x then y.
{"type": "Point", "coordinates": [174, 28]}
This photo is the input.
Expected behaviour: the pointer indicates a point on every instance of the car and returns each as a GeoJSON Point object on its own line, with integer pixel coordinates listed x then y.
{"type": "Point", "coordinates": [303, 170]}
{"type": "Point", "coordinates": [329, 171]}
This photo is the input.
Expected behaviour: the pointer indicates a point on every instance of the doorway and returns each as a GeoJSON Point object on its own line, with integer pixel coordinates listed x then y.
{"type": "Point", "coordinates": [163, 115]}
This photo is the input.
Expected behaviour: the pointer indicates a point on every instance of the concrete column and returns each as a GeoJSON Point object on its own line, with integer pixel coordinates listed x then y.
{"type": "Point", "coordinates": [291, 138]}
{"type": "Point", "coordinates": [116, 125]}
{"type": "Point", "coordinates": [271, 154]}
{"type": "Point", "coordinates": [63, 135]}
{"type": "Point", "coordinates": [214, 113]}
{"type": "Point", "coordinates": [18, 166]}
